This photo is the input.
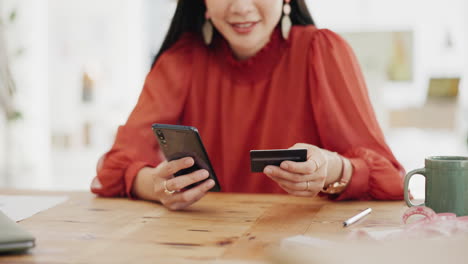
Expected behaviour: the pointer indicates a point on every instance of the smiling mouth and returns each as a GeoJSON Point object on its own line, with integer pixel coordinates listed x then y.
{"type": "Point", "coordinates": [244, 25]}
{"type": "Point", "coordinates": [244, 28]}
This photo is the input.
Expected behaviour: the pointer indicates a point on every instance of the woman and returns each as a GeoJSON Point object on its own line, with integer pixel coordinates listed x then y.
{"type": "Point", "coordinates": [239, 72]}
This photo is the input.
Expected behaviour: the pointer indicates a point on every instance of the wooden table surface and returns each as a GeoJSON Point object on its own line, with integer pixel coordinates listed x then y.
{"type": "Point", "coordinates": [221, 228]}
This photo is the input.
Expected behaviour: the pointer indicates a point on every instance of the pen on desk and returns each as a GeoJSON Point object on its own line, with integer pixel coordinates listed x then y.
{"type": "Point", "coordinates": [357, 217]}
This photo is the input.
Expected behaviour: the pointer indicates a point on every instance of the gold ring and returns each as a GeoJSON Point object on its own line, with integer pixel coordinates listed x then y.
{"type": "Point", "coordinates": [167, 191]}
{"type": "Point", "coordinates": [307, 187]}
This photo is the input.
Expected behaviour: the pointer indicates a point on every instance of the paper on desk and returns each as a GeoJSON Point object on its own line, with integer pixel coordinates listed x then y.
{"type": "Point", "coordinates": [20, 207]}
{"type": "Point", "coordinates": [383, 234]}
{"type": "Point", "coordinates": [309, 241]}
{"type": "Point", "coordinates": [448, 250]}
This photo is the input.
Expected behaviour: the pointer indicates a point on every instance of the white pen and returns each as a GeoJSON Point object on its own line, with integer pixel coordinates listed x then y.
{"type": "Point", "coordinates": [357, 217]}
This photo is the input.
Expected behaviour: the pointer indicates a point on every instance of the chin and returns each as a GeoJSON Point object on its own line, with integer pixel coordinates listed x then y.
{"type": "Point", "coordinates": [246, 45]}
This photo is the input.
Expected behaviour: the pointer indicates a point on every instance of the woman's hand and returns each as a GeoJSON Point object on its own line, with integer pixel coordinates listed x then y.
{"type": "Point", "coordinates": [159, 184]}
{"type": "Point", "coordinates": [309, 177]}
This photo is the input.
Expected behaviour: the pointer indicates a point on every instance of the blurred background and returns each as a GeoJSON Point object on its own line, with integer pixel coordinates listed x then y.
{"type": "Point", "coordinates": [71, 72]}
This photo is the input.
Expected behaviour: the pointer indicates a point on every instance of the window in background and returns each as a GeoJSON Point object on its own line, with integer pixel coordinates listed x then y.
{"type": "Point", "coordinates": [84, 64]}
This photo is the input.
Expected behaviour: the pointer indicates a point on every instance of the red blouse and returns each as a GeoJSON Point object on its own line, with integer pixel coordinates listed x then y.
{"type": "Point", "coordinates": [308, 89]}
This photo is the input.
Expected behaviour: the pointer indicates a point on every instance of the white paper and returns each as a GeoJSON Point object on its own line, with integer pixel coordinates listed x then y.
{"type": "Point", "coordinates": [305, 241]}
{"type": "Point", "coordinates": [383, 234]}
{"type": "Point", "coordinates": [309, 241]}
{"type": "Point", "coordinates": [20, 207]}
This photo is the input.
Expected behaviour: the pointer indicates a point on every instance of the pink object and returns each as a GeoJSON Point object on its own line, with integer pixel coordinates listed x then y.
{"type": "Point", "coordinates": [432, 225]}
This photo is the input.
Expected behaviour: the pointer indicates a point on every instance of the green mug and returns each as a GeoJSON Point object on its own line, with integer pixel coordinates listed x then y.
{"type": "Point", "coordinates": [446, 184]}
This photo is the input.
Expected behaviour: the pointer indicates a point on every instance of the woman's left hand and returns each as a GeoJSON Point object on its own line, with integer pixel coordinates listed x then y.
{"type": "Point", "coordinates": [301, 178]}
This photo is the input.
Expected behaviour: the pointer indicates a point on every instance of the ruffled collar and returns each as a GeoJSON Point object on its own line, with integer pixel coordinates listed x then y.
{"type": "Point", "coordinates": [257, 67]}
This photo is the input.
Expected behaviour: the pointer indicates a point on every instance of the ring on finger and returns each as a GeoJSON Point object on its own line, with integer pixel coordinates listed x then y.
{"type": "Point", "coordinates": [166, 190]}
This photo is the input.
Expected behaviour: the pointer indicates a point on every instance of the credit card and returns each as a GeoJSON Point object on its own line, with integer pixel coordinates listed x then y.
{"type": "Point", "coordinates": [259, 159]}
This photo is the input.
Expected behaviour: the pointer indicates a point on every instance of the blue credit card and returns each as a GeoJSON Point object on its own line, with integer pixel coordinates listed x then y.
{"type": "Point", "coordinates": [259, 159]}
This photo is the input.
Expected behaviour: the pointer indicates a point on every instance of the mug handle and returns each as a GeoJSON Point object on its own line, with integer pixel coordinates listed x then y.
{"type": "Point", "coordinates": [407, 180]}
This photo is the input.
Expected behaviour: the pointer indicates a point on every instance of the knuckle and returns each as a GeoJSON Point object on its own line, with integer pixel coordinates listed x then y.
{"type": "Point", "coordinates": [297, 179]}
{"type": "Point", "coordinates": [197, 197]}
{"type": "Point", "coordinates": [284, 187]}
{"type": "Point", "coordinates": [278, 173]}
{"type": "Point", "coordinates": [289, 186]}
{"type": "Point", "coordinates": [298, 145]}
{"type": "Point", "coordinates": [283, 173]}
{"type": "Point", "coordinates": [163, 201]}
{"type": "Point", "coordinates": [161, 167]}
{"type": "Point", "coordinates": [299, 186]}
{"type": "Point", "coordinates": [174, 185]}
{"type": "Point", "coordinates": [170, 168]}
{"type": "Point", "coordinates": [198, 175]}
{"type": "Point", "coordinates": [162, 164]}
{"type": "Point", "coordinates": [157, 188]}
{"type": "Point", "coordinates": [185, 197]}
{"type": "Point", "coordinates": [314, 148]}
{"type": "Point", "coordinates": [308, 169]}
{"type": "Point", "coordinates": [292, 166]}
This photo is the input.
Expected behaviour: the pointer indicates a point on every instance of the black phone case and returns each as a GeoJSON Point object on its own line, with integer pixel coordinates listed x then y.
{"type": "Point", "coordinates": [184, 141]}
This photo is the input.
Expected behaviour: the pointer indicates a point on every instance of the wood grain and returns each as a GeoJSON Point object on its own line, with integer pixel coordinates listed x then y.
{"type": "Point", "coordinates": [221, 228]}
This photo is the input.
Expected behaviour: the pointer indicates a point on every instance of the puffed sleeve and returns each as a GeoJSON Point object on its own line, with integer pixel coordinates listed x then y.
{"type": "Point", "coordinates": [161, 101]}
{"type": "Point", "coordinates": [346, 121]}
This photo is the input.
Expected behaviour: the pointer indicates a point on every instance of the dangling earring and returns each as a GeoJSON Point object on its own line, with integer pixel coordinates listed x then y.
{"type": "Point", "coordinates": [207, 30]}
{"type": "Point", "coordinates": [286, 20]}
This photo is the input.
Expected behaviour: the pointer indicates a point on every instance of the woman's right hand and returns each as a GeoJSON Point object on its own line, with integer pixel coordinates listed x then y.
{"type": "Point", "coordinates": [152, 183]}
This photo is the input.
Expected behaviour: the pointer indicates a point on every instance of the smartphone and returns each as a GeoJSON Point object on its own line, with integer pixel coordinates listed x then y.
{"type": "Point", "coordinates": [178, 142]}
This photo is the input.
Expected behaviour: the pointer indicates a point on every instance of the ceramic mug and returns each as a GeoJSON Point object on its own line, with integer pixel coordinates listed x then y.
{"type": "Point", "coordinates": [446, 184]}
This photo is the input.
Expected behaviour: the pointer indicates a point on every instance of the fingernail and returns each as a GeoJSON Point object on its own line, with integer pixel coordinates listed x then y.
{"type": "Point", "coordinates": [268, 170]}
{"type": "Point", "coordinates": [284, 165]}
{"type": "Point", "coordinates": [189, 161]}
{"type": "Point", "coordinates": [204, 173]}
{"type": "Point", "coordinates": [210, 183]}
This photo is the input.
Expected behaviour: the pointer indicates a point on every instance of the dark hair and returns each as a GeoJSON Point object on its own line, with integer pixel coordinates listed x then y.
{"type": "Point", "coordinates": [190, 16]}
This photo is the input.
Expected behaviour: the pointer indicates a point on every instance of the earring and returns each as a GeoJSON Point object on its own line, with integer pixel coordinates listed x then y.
{"type": "Point", "coordinates": [207, 30]}
{"type": "Point", "coordinates": [286, 20]}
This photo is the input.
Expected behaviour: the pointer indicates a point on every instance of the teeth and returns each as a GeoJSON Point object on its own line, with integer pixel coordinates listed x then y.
{"type": "Point", "coordinates": [246, 25]}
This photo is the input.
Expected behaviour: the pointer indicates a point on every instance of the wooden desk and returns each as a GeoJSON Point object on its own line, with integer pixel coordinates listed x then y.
{"type": "Point", "coordinates": [220, 228]}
